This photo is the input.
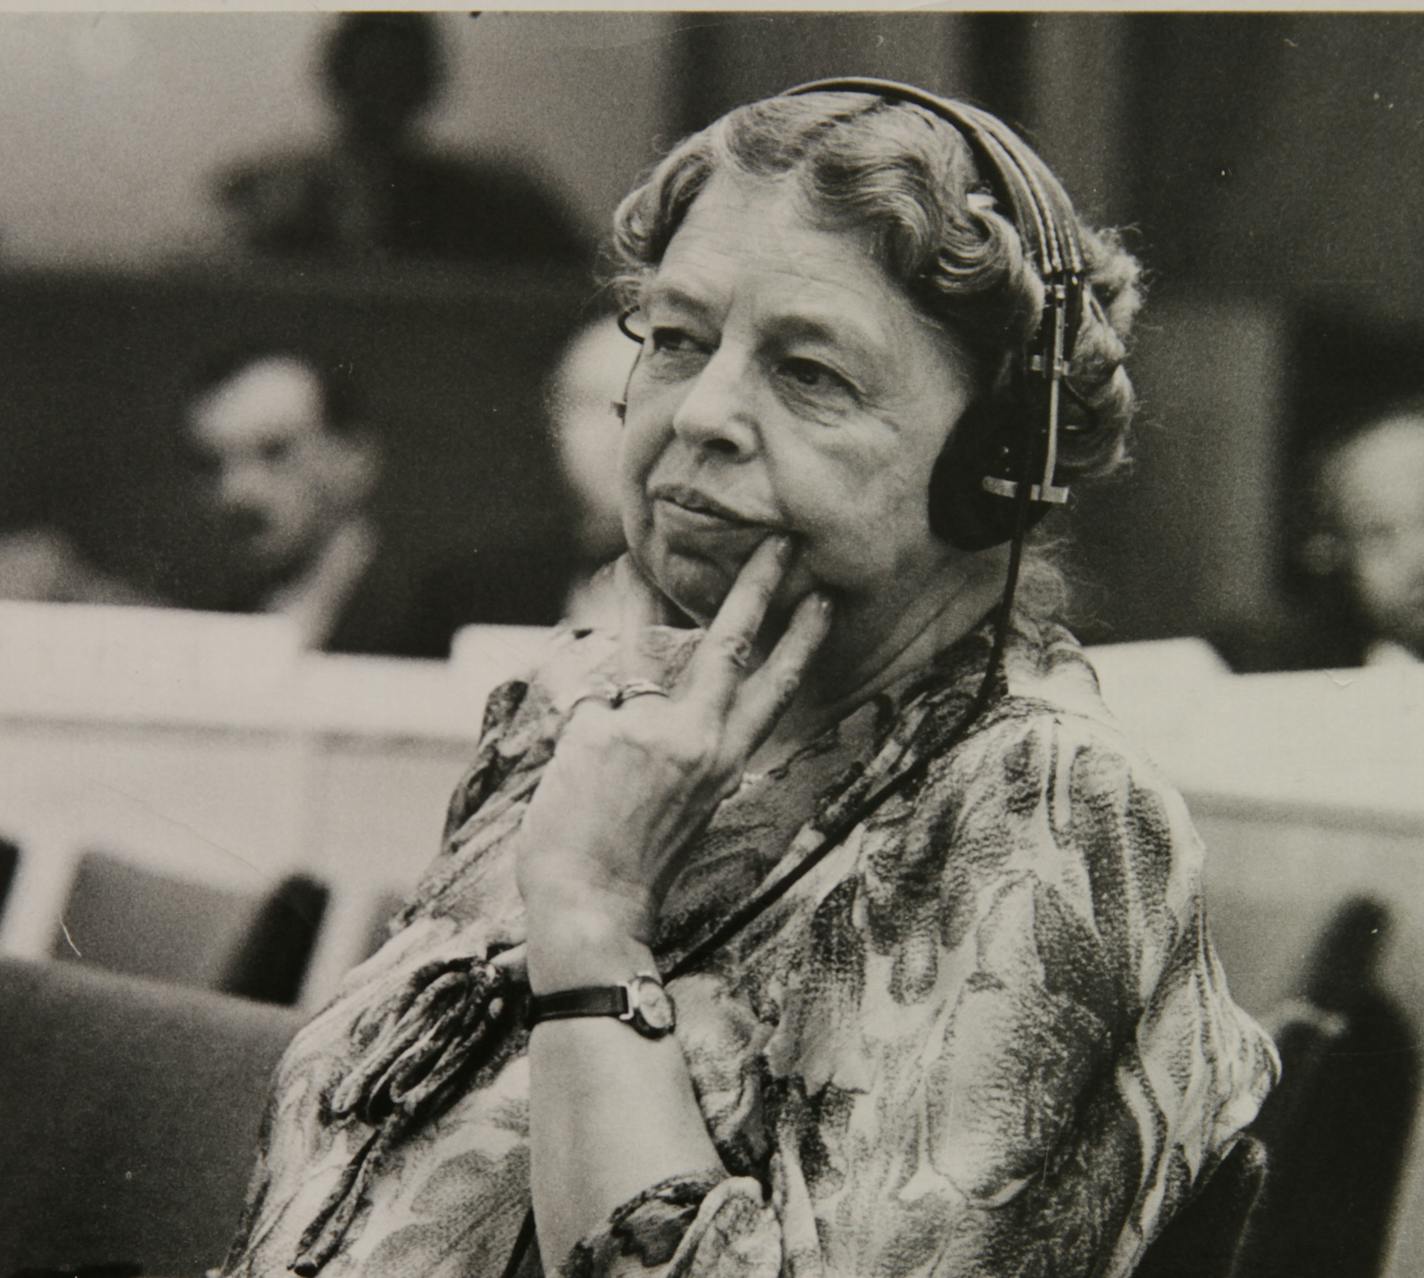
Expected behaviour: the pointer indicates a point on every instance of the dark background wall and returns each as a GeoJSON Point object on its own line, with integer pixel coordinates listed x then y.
{"type": "Point", "coordinates": [1266, 166]}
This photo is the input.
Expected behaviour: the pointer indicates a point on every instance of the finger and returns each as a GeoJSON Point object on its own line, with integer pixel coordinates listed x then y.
{"type": "Point", "coordinates": [767, 693]}
{"type": "Point", "coordinates": [602, 692]}
{"type": "Point", "coordinates": [512, 960]}
{"type": "Point", "coordinates": [728, 650]}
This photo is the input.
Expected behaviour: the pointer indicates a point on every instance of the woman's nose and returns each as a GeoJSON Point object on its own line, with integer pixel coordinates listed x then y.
{"type": "Point", "coordinates": [718, 411]}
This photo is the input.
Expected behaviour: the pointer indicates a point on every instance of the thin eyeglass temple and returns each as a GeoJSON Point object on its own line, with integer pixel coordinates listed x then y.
{"type": "Point", "coordinates": [625, 325]}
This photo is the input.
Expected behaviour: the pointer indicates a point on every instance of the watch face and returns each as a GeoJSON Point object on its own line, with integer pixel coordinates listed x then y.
{"type": "Point", "coordinates": [653, 1012]}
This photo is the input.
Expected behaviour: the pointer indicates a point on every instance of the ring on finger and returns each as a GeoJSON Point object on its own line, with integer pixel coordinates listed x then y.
{"type": "Point", "coordinates": [602, 690]}
{"type": "Point", "coordinates": [636, 688]}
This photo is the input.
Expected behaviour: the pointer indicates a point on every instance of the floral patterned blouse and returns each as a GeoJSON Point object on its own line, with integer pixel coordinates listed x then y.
{"type": "Point", "coordinates": [988, 1034]}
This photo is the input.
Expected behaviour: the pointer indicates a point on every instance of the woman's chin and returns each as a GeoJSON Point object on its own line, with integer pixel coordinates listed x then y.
{"type": "Point", "coordinates": [696, 587]}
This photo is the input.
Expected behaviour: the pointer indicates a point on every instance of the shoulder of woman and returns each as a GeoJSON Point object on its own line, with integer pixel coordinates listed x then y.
{"type": "Point", "coordinates": [1045, 663]}
{"type": "Point", "coordinates": [1052, 726]}
{"type": "Point", "coordinates": [524, 716]}
{"type": "Point", "coordinates": [521, 719]}
{"type": "Point", "coordinates": [1053, 803]}
{"type": "Point", "coordinates": [1072, 776]}
{"type": "Point", "coordinates": [565, 664]}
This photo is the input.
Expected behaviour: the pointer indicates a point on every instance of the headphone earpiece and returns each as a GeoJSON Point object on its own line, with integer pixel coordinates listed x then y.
{"type": "Point", "coordinates": [984, 442]}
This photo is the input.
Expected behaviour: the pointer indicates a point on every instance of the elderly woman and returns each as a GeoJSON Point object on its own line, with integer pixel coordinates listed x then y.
{"type": "Point", "coordinates": [820, 920]}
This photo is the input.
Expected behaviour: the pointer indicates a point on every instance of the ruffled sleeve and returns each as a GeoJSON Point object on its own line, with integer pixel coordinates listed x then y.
{"type": "Point", "coordinates": [1001, 1044]}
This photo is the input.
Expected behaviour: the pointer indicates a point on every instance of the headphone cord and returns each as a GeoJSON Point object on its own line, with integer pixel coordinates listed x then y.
{"type": "Point", "coordinates": [838, 833]}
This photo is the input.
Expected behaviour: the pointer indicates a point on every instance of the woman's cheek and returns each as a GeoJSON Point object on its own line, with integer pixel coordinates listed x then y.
{"type": "Point", "coordinates": [797, 584]}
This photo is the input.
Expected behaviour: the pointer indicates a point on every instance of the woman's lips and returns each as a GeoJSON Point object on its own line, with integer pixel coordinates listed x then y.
{"type": "Point", "coordinates": [698, 503]}
{"type": "Point", "coordinates": [687, 512]}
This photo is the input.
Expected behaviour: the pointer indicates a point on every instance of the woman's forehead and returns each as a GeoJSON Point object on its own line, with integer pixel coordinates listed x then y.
{"type": "Point", "coordinates": [761, 231]}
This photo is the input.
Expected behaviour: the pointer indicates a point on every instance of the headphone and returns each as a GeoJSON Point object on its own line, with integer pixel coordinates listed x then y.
{"type": "Point", "coordinates": [997, 461]}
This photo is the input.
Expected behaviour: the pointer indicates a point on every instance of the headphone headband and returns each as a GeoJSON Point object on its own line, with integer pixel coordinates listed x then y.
{"type": "Point", "coordinates": [1040, 206]}
{"type": "Point", "coordinates": [1044, 218]}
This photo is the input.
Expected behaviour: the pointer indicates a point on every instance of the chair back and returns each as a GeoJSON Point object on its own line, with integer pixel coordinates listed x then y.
{"type": "Point", "coordinates": [139, 921]}
{"type": "Point", "coordinates": [9, 862]}
{"type": "Point", "coordinates": [142, 922]}
{"type": "Point", "coordinates": [272, 956]}
{"type": "Point", "coordinates": [1210, 1236]}
{"type": "Point", "coordinates": [129, 1113]}
{"type": "Point", "coordinates": [1338, 1126]}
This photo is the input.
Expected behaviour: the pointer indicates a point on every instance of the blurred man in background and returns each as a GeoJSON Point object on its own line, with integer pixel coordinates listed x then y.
{"type": "Point", "coordinates": [1362, 556]}
{"type": "Point", "coordinates": [290, 469]}
{"type": "Point", "coordinates": [1371, 538]}
{"type": "Point", "coordinates": [584, 398]}
{"type": "Point", "coordinates": [380, 191]}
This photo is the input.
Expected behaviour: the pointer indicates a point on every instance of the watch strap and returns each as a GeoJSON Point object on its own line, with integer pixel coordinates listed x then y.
{"type": "Point", "coordinates": [585, 1000]}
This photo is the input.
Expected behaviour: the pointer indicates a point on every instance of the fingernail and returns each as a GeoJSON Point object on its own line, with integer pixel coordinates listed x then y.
{"type": "Point", "coordinates": [781, 543]}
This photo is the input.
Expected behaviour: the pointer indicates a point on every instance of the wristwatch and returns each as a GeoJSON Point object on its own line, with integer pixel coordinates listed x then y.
{"type": "Point", "coordinates": [642, 1002]}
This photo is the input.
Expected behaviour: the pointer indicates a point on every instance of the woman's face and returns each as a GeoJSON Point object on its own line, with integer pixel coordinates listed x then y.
{"type": "Point", "coordinates": [785, 385]}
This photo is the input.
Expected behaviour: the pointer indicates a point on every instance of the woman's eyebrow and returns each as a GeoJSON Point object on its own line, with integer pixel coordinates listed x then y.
{"type": "Point", "coordinates": [673, 294]}
{"type": "Point", "coordinates": [840, 329]}
{"type": "Point", "coordinates": [843, 331]}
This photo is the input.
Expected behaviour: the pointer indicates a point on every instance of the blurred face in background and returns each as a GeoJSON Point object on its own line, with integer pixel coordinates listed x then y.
{"type": "Point", "coordinates": [281, 479]}
{"type": "Point", "coordinates": [383, 70]}
{"type": "Point", "coordinates": [1376, 493]}
{"type": "Point", "coordinates": [588, 434]}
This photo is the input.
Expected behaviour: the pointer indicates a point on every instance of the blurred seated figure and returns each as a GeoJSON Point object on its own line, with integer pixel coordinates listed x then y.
{"type": "Point", "coordinates": [43, 565]}
{"type": "Point", "coordinates": [1338, 1126]}
{"type": "Point", "coordinates": [1364, 552]}
{"type": "Point", "coordinates": [290, 467]}
{"type": "Point", "coordinates": [584, 402]}
{"type": "Point", "coordinates": [379, 191]}
{"type": "Point", "coordinates": [512, 586]}
{"type": "Point", "coordinates": [1372, 498]}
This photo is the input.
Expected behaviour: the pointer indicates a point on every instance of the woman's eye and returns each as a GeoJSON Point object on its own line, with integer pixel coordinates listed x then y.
{"type": "Point", "coordinates": [811, 375]}
{"type": "Point", "coordinates": [669, 340]}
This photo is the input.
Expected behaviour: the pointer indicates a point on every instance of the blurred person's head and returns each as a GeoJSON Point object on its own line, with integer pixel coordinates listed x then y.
{"type": "Point", "coordinates": [286, 457]}
{"type": "Point", "coordinates": [588, 379]}
{"type": "Point", "coordinates": [42, 564]}
{"type": "Point", "coordinates": [1370, 494]}
{"type": "Point", "coordinates": [381, 71]}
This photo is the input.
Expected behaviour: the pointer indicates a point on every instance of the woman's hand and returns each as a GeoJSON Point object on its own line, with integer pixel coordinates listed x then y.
{"type": "Point", "coordinates": [631, 784]}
